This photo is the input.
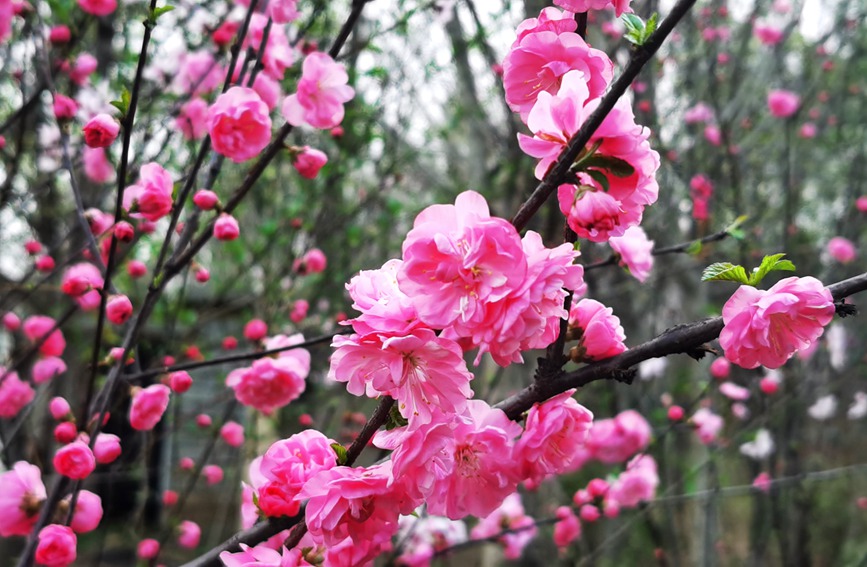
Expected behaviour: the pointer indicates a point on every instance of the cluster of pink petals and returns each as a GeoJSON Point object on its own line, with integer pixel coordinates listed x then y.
{"type": "Point", "coordinates": [36, 327]}
{"type": "Point", "coordinates": [707, 425]}
{"type": "Point", "coordinates": [278, 54]}
{"type": "Point", "coordinates": [842, 249]}
{"type": "Point", "coordinates": [601, 334]}
{"type": "Point", "coordinates": [21, 493]}
{"type": "Point", "coordinates": [322, 91]}
{"type": "Point", "coordinates": [151, 197]}
{"type": "Point", "coordinates": [239, 124]}
{"type": "Point", "coordinates": [636, 484]}
{"type": "Point", "coordinates": [198, 73]}
{"type": "Point", "coordinates": [14, 394]}
{"type": "Point", "coordinates": [148, 406]}
{"type": "Point", "coordinates": [767, 33]}
{"type": "Point", "coordinates": [701, 190]}
{"type": "Point", "coordinates": [192, 119]}
{"type": "Point", "coordinates": [83, 282]}
{"type": "Point", "coordinates": [272, 383]}
{"type": "Point", "coordinates": [765, 328]}
{"type": "Point", "coordinates": [700, 112]}
{"type": "Point", "coordinates": [7, 12]}
{"type": "Point", "coordinates": [635, 251]}
{"type": "Point", "coordinates": [547, 49]}
{"type": "Point", "coordinates": [510, 515]}
{"type": "Point", "coordinates": [783, 103]}
{"type": "Point", "coordinates": [57, 546]}
{"type": "Point", "coordinates": [615, 440]}
{"type": "Point", "coordinates": [423, 536]}
{"type": "Point", "coordinates": [579, 6]}
{"type": "Point", "coordinates": [283, 11]}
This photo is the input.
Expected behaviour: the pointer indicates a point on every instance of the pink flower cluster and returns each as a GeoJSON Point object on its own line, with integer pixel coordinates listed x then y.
{"type": "Point", "coordinates": [271, 383]}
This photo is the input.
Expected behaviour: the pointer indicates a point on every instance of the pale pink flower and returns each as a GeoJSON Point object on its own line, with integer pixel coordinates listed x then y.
{"type": "Point", "coordinates": [232, 433]}
{"type": "Point", "coordinates": [151, 197]}
{"type": "Point", "coordinates": [84, 67]}
{"type": "Point", "coordinates": [578, 6]}
{"type": "Point", "coordinates": [635, 250]}
{"type": "Point", "coordinates": [550, 19]}
{"type": "Point", "coordinates": [767, 327]}
{"type": "Point", "coordinates": [309, 161]}
{"type": "Point", "coordinates": [510, 515]}
{"type": "Point", "coordinates": [766, 33]}
{"type": "Point", "coordinates": [47, 368]}
{"type": "Point", "coordinates": [239, 124]}
{"type": "Point", "coordinates": [283, 11]}
{"type": "Point", "coordinates": [192, 120]}
{"type": "Point", "coordinates": [783, 103]}
{"type": "Point", "coordinates": [75, 460]}
{"type": "Point", "coordinates": [96, 165]}
{"type": "Point", "coordinates": [807, 130]}
{"type": "Point", "coordinates": [101, 131]}
{"type": "Point", "coordinates": [197, 74]}
{"type": "Point", "coordinates": [82, 282]}
{"type": "Point", "coordinates": [384, 307]}
{"type": "Point", "coordinates": [700, 112]}
{"type": "Point", "coordinates": [615, 440]}
{"type": "Point", "coordinates": [601, 335]}
{"type": "Point", "coordinates": [734, 392]}
{"type": "Point", "coordinates": [56, 547]}
{"type": "Point", "coordinates": [260, 556]}
{"type": "Point", "coordinates": [21, 495]}
{"type": "Point", "coordinates": [88, 512]}
{"type": "Point", "coordinates": [148, 406]}
{"type": "Point", "coordinates": [213, 474]}
{"type": "Point", "coordinates": [842, 249]}
{"type": "Point", "coordinates": [707, 424]}
{"type": "Point", "coordinates": [568, 528]}
{"type": "Point", "coordinates": [270, 383]}
{"type": "Point", "coordinates": [189, 534]}
{"type": "Point", "coordinates": [322, 91]}
{"type": "Point", "coordinates": [636, 484]}
{"type": "Point", "coordinates": [36, 327]}
{"type": "Point", "coordinates": [538, 61]}
{"type": "Point", "coordinates": [268, 90]}
{"type": "Point", "coordinates": [14, 394]}
{"type": "Point", "coordinates": [278, 54]}
{"type": "Point", "coordinates": [64, 107]}
{"type": "Point", "coordinates": [554, 432]}
{"type": "Point", "coordinates": [713, 135]}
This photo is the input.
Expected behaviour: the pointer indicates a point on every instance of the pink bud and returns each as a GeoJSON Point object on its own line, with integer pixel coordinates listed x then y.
{"type": "Point", "coordinates": [101, 131]}
{"type": "Point", "coordinates": [64, 107]}
{"type": "Point", "coordinates": [136, 269]}
{"type": "Point", "coordinates": [202, 275]}
{"type": "Point", "coordinates": [581, 497]}
{"type": "Point", "coordinates": [337, 132]}
{"type": "Point", "coordinates": [305, 420]}
{"type": "Point", "coordinates": [59, 408]}
{"type": "Point", "coordinates": [170, 497]}
{"type": "Point", "coordinates": [309, 161]}
{"type": "Point", "coordinates": [32, 247]}
{"type": "Point", "coordinates": [675, 413]}
{"type": "Point", "coordinates": [75, 460]}
{"type": "Point", "coordinates": [769, 386]}
{"type": "Point", "coordinates": [59, 34]}
{"type": "Point", "coordinates": [106, 448]}
{"type": "Point", "coordinates": [255, 330]}
{"type": "Point", "coordinates": [597, 487]}
{"type": "Point", "coordinates": [862, 502]}
{"type": "Point", "coordinates": [56, 547]}
{"type": "Point", "coordinates": [720, 368]}
{"type": "Point", "coordinates": [186, 463]}
{"type": "Point", "coordinates": [232, 433]}
{"type": "Point", "coordinates": [193, 353]}
{"type": "Point", "coordinates": [11, 322]}
{"type": "Point", "coordinates": [612, 509]}
{"type": "Point", "coordinates": [148, 406]}
{"type": "Point", "coordinates": [226, 227]}
{"type": "Point", "coordinates": [589, 513]}
{"type": "Point", "coordinates": [230, 343]}
{"type": "Point", "coordinates": [782, 103]}
{"type": "Point", "coordinates": [47, 368]}
{"type": "Point", "coordinates": [65, 432]}
{"type": "Point", "coordinates": [189, 534]}
{"type": "Point", "coordinates": [205, 199]}
{"type": "Point", "coordinates": [45, 263]}
{"type": "Point", "coordinates": [116, 354]}
{"type": "Point", "coordinates": [203, 420]}
{"type": "Point", "coordinates": [168, 360]}
{"type": "Point", "coordinates": [213, 474]}
{"type": "Point", "coordinates": [180, 381]}
{"type": "Point", "coordinates": [299, 310]}
{"type": "Point", "coordinates": [146, 226]}
{"type": "Point", "coordinates": [118, 309]}
{"type": "Point", "coordinates": [124, 231]}
{"type": "Point", "coordinates": [148, 549]}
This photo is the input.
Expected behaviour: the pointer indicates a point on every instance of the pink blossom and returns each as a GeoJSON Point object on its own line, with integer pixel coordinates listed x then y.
{"type": "Point", "coordinates": [82, 282]}
{"type": "Point", "coordinates": [75, 460]}
{"type": "Point", "coordinates": [270, 383]}
{"type": "Point", "coordinates": [170, 497]}
{"type": "Point", "coordinates": [861, 203]}
{"type": "Point", "coordinates": [636, 484]}
{"type": "Point", "coordinates": [675, 413]}
{"type": "Point", "coordinates": [299, 310]}
{"type": "Point", "coordinates": [708, 425]}
{"type": "Point", "coordinates": [47, 368]}
{"type": "Point", "coordinates": [510, 515]}
{"type": "Point", "coordinates": [419, 370]}
{"type": "Point", "coordinates": [84, 67]}
{"type": "Point", "coordinates": [260, 556]}
{"type": "Point", "coordinates": [148, 549]}
{"type": "Point", "coordinates": [186, 463]}
{"type": "Point", "coordinates": [807, 130]}
{"type": "Point", "coordinates": [98, 7]}
{"type": "Point", "coordinates": [59, 408]}
{"type": "Point", "coordinates": [767, 327]}
{"type": "Point", "coordinates": [203, 420]}
{"type": "Point", "coordinates": [615, 440]}
{"type": "Point", "coordinates": [384, 307]}
{"type": "Point", "coordinates": [64, 107]}
{"type": "Point", "coordinates": [197, 74]}
{"type": "Point", "coordinates": [44, 264]}
{"type": "Point", "coordinates": [713, 135]}
{"type": "Point", "coordinates": [589, 513]}
{"type": "Point", "coordinates": [550, 19]}
{"type": "Point", "coordinates": [118, 309]}
{"type": "Point", "coordinates": [635, 251]}
{"type": "Point", "coordinates": [88, 512]}
{"type": "Point", "coordinates": [59, 34]}
{"type": "Point", "coordinates": [701, 190]}
{"type": "Point", "coordinates": [567, 529]}
{"type": "Point", "coordinates": [213, 474]}
{"type": "Point", "coordinates": [180, 381]}
{"type": "Point", "coordinates": [205, 199]}
{"type": "Point", "coordinates": [101, 131]}
{"type": "Point", "coordinates": [7, 12]}
{"type": "Point", "coordinates": [309, 161]}
{"type": "Point", "coordinates": [278, 54]}
{"type": "Point", "coordinates": [56, 547]}
{"type": "Point", "coordinates": [720, 368]}
{"type": "Point", "coordinates": [136, 269]}
{"type": "Point", "coordinates": [538, 61]}
{"type": "Point", "coordinates": [148, 406]}
{"type": "Point", "coordinates": [734, 392]}
{"type": "Point", "coordinates": [766, 33]}
{"type": "Point", "coordinates": [782, 103]}
{"type": "Point", "coordinates": [554, 432]}
{"type": "Point", "coordinates": [106, 448]}
{"type": "Point", "coordinates": [65, 432]}
{"type": "Point", "coordinates": [226, 227]}
{"type": "Point", "coordinates": [189, 534]}
{"type": "Point", "coordinates": [255, 330]}
{"type": "Point", "coordinates": [268, 90]}
{"type": "Point", "coordinates": [762, 482]}
{"type": "Point", "coordinates": [601, 335]}
{"type": "Point", "coordinates": [192, 119]}
{"type": "Point", "coordinates": [14, 394]}
{"type": "Point", "coordinates": [580, 6]}
{"type": "Point", "coordinates": [322, 91]}
{"type": "Point", "coordinates": [283, 11]}
{"type": "Point", "coordinates": [232, 433]}
{"type": "Point", "coordinates": [842, 249]}
{"type": "Point", "coordinates": [151, 197]}
{"type": "Point", "coordinates": [11, 322]}
{"type": "Point", "coordinates": [96, 165]}
{"type": "Point", "coordinates": [36, 327]}
{"type": "Point", "coordinates": [124, 231]}
{"type": "Point", "coordinates": [239, 124]}
{"type": "Point", "coordinates": [21, 495]}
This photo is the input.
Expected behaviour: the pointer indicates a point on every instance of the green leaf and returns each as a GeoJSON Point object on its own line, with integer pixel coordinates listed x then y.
{"type": "Point", "coordinates": [395, 420]}
{"type": "Point", "coordinates": [123, 103]}
{"type": "Point", "coordinates": [340, 451]}
{"type": "Point", "coordinates": [725, 271]}
{"type": "Point", "coordinates": [161, 10]}
{"type": "Point", "coordinates": [651, 25]}
{"type": "Point", "coordinates": [600, 178]}
{"type": "Point", "coordinates": [694, 248]}
{"type": "Point", "coordinates": [633, 23]}
{"type": "Point", "coordinates": [617, 166]}
{"type": "Point", "coordinates": [770, 264]}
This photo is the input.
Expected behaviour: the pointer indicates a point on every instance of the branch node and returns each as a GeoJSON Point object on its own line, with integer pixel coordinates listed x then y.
{"type": "Point", "coordinates": [844, 309]}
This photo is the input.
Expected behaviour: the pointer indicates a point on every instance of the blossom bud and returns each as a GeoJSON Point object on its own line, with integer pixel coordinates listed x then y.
{"type": "Point", "coordinates": [136, 269]}
{"type": "Point", "coordinates": [118, 309]}
{"type": "Point", "coordinates": [170, 497]}
{"type": "Point", "coordinates": [309, 161]}
{"type": "Point", "coordinates": [203, 420]}
{"type": "Point", "coordinates": [148, 549]}
{"type": "Point", "coordinates": [45, 264]}
{"type": "Point", "coordinates": [11, 322]}
{"type": "Point", "coordinates": [65, 432]}
{"type": "Point", "coordinates": [186, 463]}
{"type": "Point", "coordinates": [589, 513]}
{"type": "Point", "coordinates": [124, 231]}
{"type": "Point", "coordinates": [205, 199]}
{"type": "Point", "coordinates": [106, 448]}
{"type": "Point", "coordinates": [64, 107]}
{"type": "Point", "coordinates": [32, 247]}
{"type": "Point", "coordinates": [101, 131]}
{"type": "Point", "coordinates": [232, 433]}
{"type": "Point", "coordinates": [675, 413]}
{"type": "Point", "coordinates": [59, 34]}
{"type": "Point", "coordinates": [213, 474]}
{"type": "Point", "coordinates": [230, 343]}
{"type": "Point", "coordinates": [226, 227]}
{"type": "Point", "coordinates": [75, 460]}
{"type": "Point", "coordinates": [180, 381]}
{"type": "Point", "coordinates": [59, 408]}
{"type": "Point", "coordinates": [255, 330]}
{"type": "Point", "coordinates": [202, 275]}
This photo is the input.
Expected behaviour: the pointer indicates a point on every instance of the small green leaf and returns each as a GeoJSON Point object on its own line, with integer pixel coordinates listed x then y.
{"type": "Point", "coordinates": [651, 25]}
{"type": "Point", "coordinates": [600, 178]}
{"type": "Point", "coordinates": [737, 234]}
{"type": "Point", "coordinates": [770, 264]}
{"type": "Point", "coordinates": [694, 248]}
{"type": "Point", "coordinates": [123, 103]}
{"type": "Point", "coordinates": [725, 271]}
{"type": "Point", "coordinates": [340, 451]}
{"type": "Point", "coordinates": [633, 23]}
{"type": "Point", "coordinates": [395, 420]}
{"type": "Point", "coordinates": [617, 166]}
{"type": "Point", "coordinates": [162, 10]}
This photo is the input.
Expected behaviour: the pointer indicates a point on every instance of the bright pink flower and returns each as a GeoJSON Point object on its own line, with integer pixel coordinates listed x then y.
{"type": "Point", "coordinates": [700, 112]}
{"type": "Point", "coordinates": [283, 11]}
{"type": "Point", "coordinates": [567, 529]}
{"type": "Point", "coordinates": [270, 383]}
{"type": "Point", "coordinates": [88, 512]}
{"type": "Point", "coordinates": [96, 165]}
{"type": "Point", "coordinates": [635, 250]}
{"type": "Point", "coordinates": [842, 249]}
{"type": "Point", "coordinates": [589, 513]}
{"type": "Point", "coordinates": [279, 54]}
{"type": "Point", "coordinates": [14, 394]}
{"type": "Point", "coordinates": [322, 91]}
{"type": "Point", "coordinates": [636, 484]}
{"type": "Point", "coordinates": [419, 370]}
{"type": "Point", "coordinates": [509, 515]}
{"type": "Point", "coordinates": [260, 556]}
{"type": "Point", "coordinates": [615, 440]}
{"type": "Point", "coordinates": [734, 392]}
{"type": "Point", "coordinates": [538, 61]}
{"type": "Point", "coordinates": [239, 124]}
{"type": "Point", "coordinates": [151, 197]}
{"type": "Point", "coordinates": [769, 385]}
{"type": "Point", "coordinates": [148, 406]}
{"type": "Point", "coordinates": [124, 231]}
{"type": "Point", "coordinates": [56, 547]}
{"type": "Point", "coordinates": [189, 534]}
{"type": "Point", "coordinates": [148, 549]}
{"type": "Point", "coordinates": [708, 425]}
{"type": "Point", "coordinates": [205, 199]}
{"type": "Point", "coordinates": [554, 432]}
{"type": "Point", "coordinates": [309, 161]}
{"type": "Point", "coordinates": [601, 335]}
{"type": "Point", "coordinates": [767, 327]}
{"type": "Point", "coordinates": [21, 494]}
{"type": "Point", "coordinates": [106, 448]}
{"type": "Point", "coordinates": [192, 120]}
{"type": "Point", "coordinates": [98, 7]}
{"type": "Point", "coordinates": [213, 474]}
{"type": "Point", "coordinates": [766, 33]}
{"type": "Point", "coordinates": [782, 103]}
{"type": "Point", "coordinates": [255, 330]}
{"type": "Point", "coordinates": [101, 131]}
{"type": "Point", "coordinates": [313, 262]}
{"type": "Point", "coordinates": [59, 34]}
{"type": "Point", "coordinates": [720, 368]}
{"type": "Point", "coordinates": [59, 408]}
{"type": "Point", "coordinates": [82, 282]}
{"type": "Point", "coordinates": [75, 460]}
{"type": "Point", "coordinates": [36, 327]}
{"type": "Point", "coordinates": [136, 269]}
{"type": "Point", "coordinates": [861, 203]}
{"type": "Point", "coordinates": [675, 413]}
{"type": "Point", "coordinates": [232, 433]}
{"type": "Point", "coordinates": [7, 12]}
{"type": "Point", "coordinates": [299, 310]}
{"type": "Point", "coordinates": [180, 381]}
{"type": "Point", "coordinates": [170, 497]}
{"type": "Point", "coordinates": [64, 107]}
{"type": "Point", "coordinates": [226, 227]}
{"type": "Point", "coordinates": [47, 368]}
{"type": "Point", "coordinates": [579, 6]}
{"type": "Point", "coordinates": [118, 309]}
